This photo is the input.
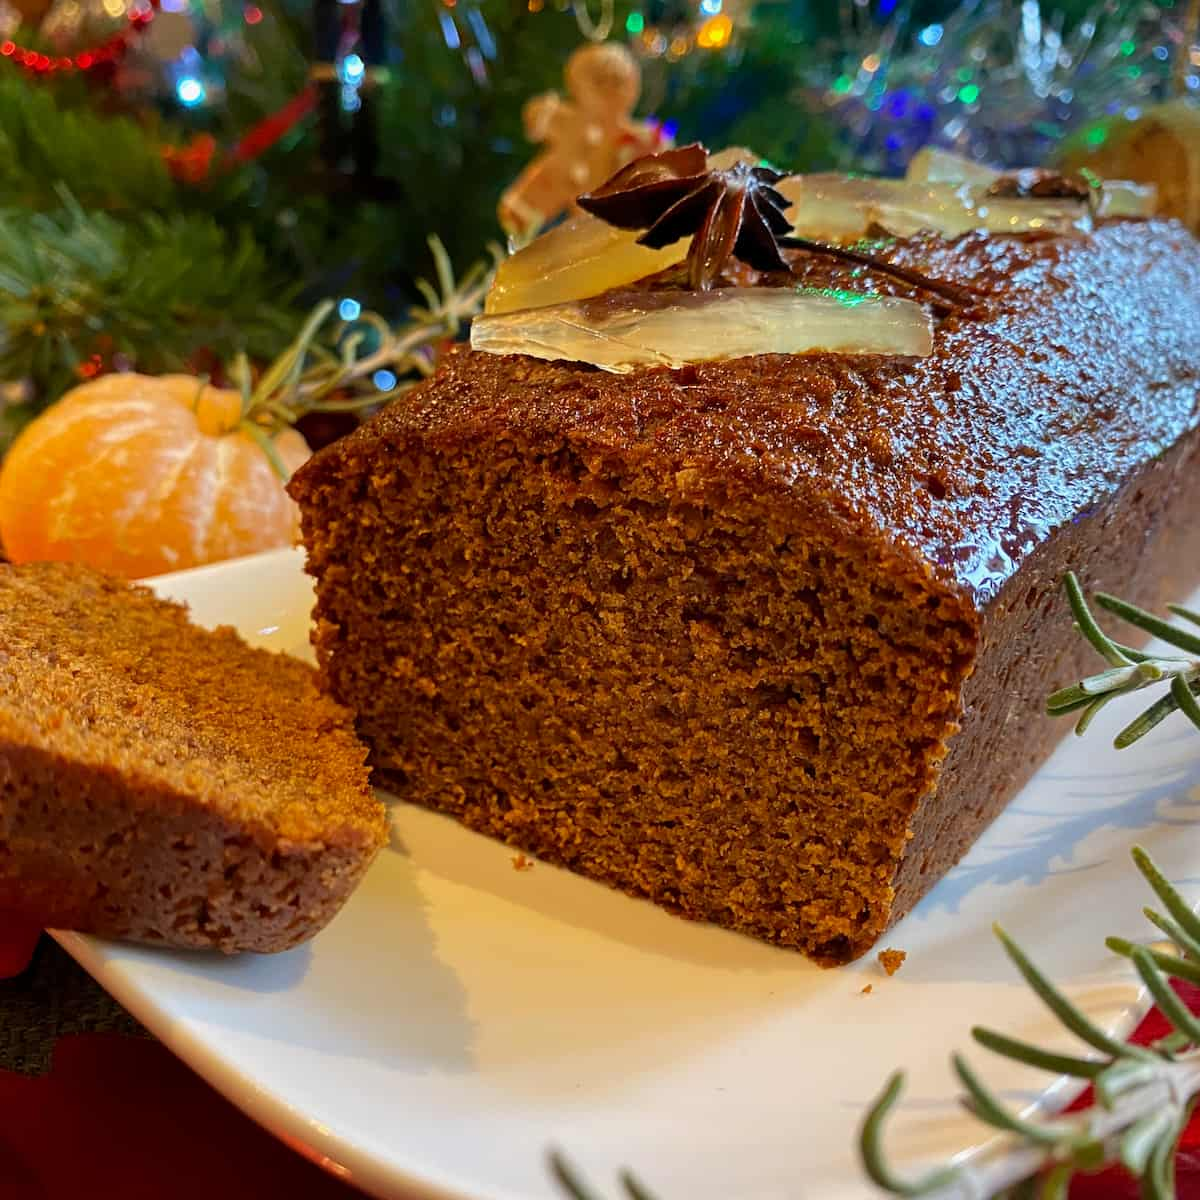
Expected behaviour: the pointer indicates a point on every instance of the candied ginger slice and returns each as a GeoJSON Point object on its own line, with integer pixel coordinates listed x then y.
{"type": "Point", "coordinates": [621, 332]}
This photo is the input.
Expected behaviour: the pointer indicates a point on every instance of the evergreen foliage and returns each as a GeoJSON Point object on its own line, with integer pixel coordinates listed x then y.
{"type": "Point", "coordinates": [161, 293]}
{"type": "Point", "coordinates": [103, 250]}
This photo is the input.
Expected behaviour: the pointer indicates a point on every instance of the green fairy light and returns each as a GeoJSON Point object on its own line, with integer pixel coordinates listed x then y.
{"type": "Point", "coordinates": [968, 94]}
{"type": "Point", "coordinates": [635, 23]}
{"type": "Point", "coordinates": [843, 297]}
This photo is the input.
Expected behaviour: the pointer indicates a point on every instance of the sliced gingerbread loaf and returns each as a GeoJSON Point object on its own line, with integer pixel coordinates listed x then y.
{"type": "Point", "coordinates": [767, 640]}
{"type": "Point", "coordinates": [167, 784]}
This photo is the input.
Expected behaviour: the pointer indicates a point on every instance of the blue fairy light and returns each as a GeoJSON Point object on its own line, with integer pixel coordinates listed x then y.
{"type": "Point", "coordinates": [349, 309]}
{"type": "Point", "coordinates": [384, 380]}
{"type": "Point", "coordinates": [351, 69]}
{"type": "Point", "coordinates": [477, 66]}
{"type": "Point", "coordinates": [190, 91]}
{"type": "Point", "coordinates": [483, 35]}
{"type": "Point", "coordinates": [450, 34]}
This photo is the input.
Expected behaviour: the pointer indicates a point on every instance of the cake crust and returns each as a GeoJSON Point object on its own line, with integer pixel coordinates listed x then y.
{"type": "Point", "coordinates": [1077, 366]}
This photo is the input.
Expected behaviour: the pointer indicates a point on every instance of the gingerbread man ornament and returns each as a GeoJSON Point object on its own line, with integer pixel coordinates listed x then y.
{"type": "Point", "coordinates": [587, 137]}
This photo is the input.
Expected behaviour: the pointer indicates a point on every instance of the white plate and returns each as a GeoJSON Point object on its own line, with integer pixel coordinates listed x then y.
{"type": "Point", "coordinates": [460, 1017]}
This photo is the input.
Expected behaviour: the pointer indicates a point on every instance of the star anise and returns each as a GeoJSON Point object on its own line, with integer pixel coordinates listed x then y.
{"type": "Point", "coordinates": [731, 211]}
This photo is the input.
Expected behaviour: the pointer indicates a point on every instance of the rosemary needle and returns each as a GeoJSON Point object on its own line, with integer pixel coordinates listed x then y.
{"type": "Point", "coordinates": [1144, 1095]}
{"type": "Point", "coordinates": [1131, 670]}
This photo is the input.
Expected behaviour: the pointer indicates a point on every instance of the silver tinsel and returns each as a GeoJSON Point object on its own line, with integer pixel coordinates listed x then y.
{"type": "Point", "coordinates": [998, 80]}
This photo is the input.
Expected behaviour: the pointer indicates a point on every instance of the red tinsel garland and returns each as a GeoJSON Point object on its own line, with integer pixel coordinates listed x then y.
{"type": "Point", "coordinates": [258, 139]}
{"type": "Point", "coordinates": [193, 163]}
{"type": "Point", "coordinates": [106, 54]}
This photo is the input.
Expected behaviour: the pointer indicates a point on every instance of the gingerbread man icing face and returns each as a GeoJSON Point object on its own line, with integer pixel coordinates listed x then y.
{"type": "Point", "coordinates": [587, 137]}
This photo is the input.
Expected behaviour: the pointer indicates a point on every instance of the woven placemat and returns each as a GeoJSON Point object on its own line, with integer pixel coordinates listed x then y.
{"type": "Point", "coordinates": [53, 997]}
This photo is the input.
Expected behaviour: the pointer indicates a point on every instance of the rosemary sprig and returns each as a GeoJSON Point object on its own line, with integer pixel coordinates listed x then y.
{"type": "Point", "coordinates": [309, 377]}
{"type": "Point", "coordinates": [1143, 1095]}
{"type": "Point", "coordinates": [568, 1179]}
{"type": "Point", "coordinates": [1131, 670]}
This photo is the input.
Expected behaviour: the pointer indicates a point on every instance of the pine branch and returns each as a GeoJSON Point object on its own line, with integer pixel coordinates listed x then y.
{"type": "Point", "coordinates": [157, 291]}
{"type": "Point", "coordinates": [106, 162]}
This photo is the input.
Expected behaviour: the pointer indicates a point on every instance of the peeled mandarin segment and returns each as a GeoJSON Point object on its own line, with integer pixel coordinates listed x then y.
{"type": "Point", "coordinates": [253, 511]}
{"type": "Point", "coordinates": [624, 331]}
{"type": "Point", "coordinates": [150, 529]}
{"type": "Point", "coordinates": [292, 449]}
{"type": "Point", "coordinates": [119, 474]}
{"type": "Point", "coordinates": [250, 503]}
{"type": "Point", "coordinates": [82, 474]}
{"type": "Point", "coordinates": [127, 388]}
{"type": "Point", "coordinates": [179, 530]}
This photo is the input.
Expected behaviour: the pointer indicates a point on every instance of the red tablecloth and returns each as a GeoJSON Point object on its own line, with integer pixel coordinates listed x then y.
{"type": "Point", "coordinates": [121, 1117]}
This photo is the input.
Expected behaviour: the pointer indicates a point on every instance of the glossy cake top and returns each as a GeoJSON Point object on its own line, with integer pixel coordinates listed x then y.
{"type": "Point", "coordinates": [1077, 364]}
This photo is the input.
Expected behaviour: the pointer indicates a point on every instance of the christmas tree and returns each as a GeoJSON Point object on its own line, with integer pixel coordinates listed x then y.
{"type": "Point", "coordinates": [180, 182]}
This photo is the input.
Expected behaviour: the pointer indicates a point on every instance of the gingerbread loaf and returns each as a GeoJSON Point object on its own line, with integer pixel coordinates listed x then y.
{"type": "Point", "coordinates": [767, 640]}
{"type": "Point", "coordinates": [164, 783]}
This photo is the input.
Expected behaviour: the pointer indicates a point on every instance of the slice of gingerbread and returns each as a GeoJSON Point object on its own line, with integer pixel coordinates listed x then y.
{"type": "Point", "coordinates": [164, 783]}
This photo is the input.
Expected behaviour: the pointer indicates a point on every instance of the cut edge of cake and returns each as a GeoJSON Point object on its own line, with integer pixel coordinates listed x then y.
{"type": "Point", "coordinates": [660, 645]}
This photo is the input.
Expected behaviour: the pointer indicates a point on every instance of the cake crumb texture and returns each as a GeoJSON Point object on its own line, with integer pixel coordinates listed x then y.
{"type": "Point", "coordinates": [164, 783]}
{"type": "Point", "coordinates": [892, 960]}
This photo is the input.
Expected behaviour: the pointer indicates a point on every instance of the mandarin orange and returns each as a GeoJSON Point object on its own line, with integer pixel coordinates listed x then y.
{"type": "Point", "coordinates": [139, 475]}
